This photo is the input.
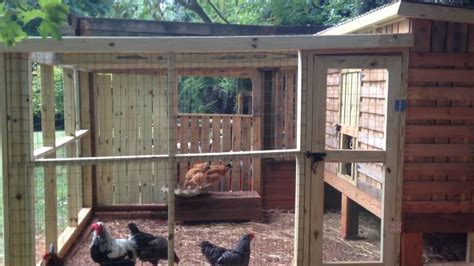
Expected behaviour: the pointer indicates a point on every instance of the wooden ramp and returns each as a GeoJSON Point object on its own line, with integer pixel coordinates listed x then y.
{"type": "Point", "coordinates": [220, 206]}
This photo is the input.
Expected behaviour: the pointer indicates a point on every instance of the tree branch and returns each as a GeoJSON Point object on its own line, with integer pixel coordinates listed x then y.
{"type": "Point", "coordinates": [194, 6]}
{"type": "Point", "coordinates": [217, 11]}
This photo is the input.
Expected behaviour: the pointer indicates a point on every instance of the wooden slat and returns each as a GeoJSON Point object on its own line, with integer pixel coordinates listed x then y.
{"type": "Point", "coordinates": [120, 92]}
{"type": "Point", "coordinates": [440, 131]}
{"type": "Point", "coordinates": [278, 109]}
{"type": "Point", "coordinates": [226, 183]}
{"type": "Point", "coordinates": [441, 75]}
{"type": "Point", "coordinates": [205, 134]}
{"type": "Point", "coordinates": [421, 28]}
{"type": "Point", "coordinates": [160, 135]}
{"type": "Point", "coordinates": [450, 187]}
{"type": "Point", "coordinates": [438, 222]}
{"type": "Point", "coordinates": [456, 39]}
{"type": "Point", "coordinates": [432, 60]}
{"type": "Point", "coordinates": [289, 109]}
{"type": "Point", "coordinates": [146, 138]}
{"type": "Point", "coordinates": [441, 93]}
{"type": "Point", "coordinates": [194, 136]}
{"type": "Point", "coordinates": [437, 149]}
{"type": "Point", "coordinates": [246, 144]}
{"type": "Point", "coordinates": [70, 234]}
{"type": "Point", "coordinates": [73, 184]}
{"type": "Point", "coordinates": [86, 145]}
{"type": "Point", "coordinates": [438, 36]}
{"type": "Point", "coordinates": [440, 113]}
{"type": "Point", "coordinates": [133, 82]}
{"type": "Point", "coordinates": [427, 169]}
{"type": "Point", "coordinates": [438, 207]}
{"type": "Point", "coordinates": [236, 146]}
{"type": "Point", "coordinates": [216, 142]}
{"type": "Point", "coordinates": [49, 139]}
{"type": "Point", "coordinates": [257, 145]}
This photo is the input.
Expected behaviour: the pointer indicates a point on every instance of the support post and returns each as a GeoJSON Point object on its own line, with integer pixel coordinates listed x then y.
{"type": "Point", "coordinates": [349, 218]}
{"type": "Point", "coordinates": [257, 104]}
{"type": "Point", "coordinates": [172, 113]}
{"type": "Point", "coordinates": [48, 128]}
{"type": "Point", "coordinates": [470, 247]}
{"type": "Point", "coordinates": [411, 249]}
{"type": "Point", "coordinates": [20, 219]}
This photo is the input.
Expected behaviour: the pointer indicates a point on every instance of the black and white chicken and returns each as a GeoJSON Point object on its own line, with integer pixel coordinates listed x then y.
{"type": "Point", "coordinates": [150, 248]}
{"type": "Point", "coordinates": [239, 256]}
{"type": "Point", "coordinates": [106, 250]}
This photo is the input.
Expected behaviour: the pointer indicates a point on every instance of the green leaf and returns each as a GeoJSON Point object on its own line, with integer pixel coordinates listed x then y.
{"type": "Point", "coordinates": [11, 33]}
{"type": "Point", "coordinates": [48, 28]}
{"type": "Point", "coordinates": [28, 16]}
{"type": "Point", "coordinates": [2, 10]}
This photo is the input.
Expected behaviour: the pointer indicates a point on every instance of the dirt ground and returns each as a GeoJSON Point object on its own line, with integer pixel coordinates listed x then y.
{"type": "Point", "coordinates": [273, 244]}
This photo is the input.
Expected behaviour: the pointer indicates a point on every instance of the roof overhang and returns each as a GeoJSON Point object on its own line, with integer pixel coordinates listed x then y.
{"type": "Point", "coordinates": [399, 11]}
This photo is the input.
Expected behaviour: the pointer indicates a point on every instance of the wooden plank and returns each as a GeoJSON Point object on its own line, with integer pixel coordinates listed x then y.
{"type": "Point", "coordinates": [120, 92]}
{"type": "Point", "coordinates": [438, 36]}
{"type": "Point", "coordinates": [289, 109]}
{"type": "Point", "coordinates": [131, 119]}
{"type": "Point", "coordinates": [195, 134]}
{"type": "Point", "coordinates": [470, 40]}
{"type": "Point", "coordinates": [160, 135]}
{"type": "Point", "coordinates": [205, 134]}
{"type": "Point", "coordinates": [49, 139]}
{"type": "Point", "coordinates": [146, 114]}
{"type": "Point", "coordinates": [86, 145]}
{"type": "Point", "coordinates": [246, 145]}
{"type": "Point", "coordinates": [216, 142]}
{"type": "Point", "coordinates": [226, 183]}
{"type": "Point", "coordinates": [435, 149]}
{"type": "Point", "coordinates": [440, 113]}
{"type": "Point", "coordinates": [456, 39]}
{"type": "Point", "coordinates": [411, 249]}
{"type": "Point", "coordinates": [441, 75]}
{"type": "Point", "coordinates": [441, 93]}
{"type": "Point", "coordinates": [440, 131]}
{"type": "Point", "coordinates": [429, 60]}
{"type": "Point", "coordinates": [421, 28]}
{"type": "Point", "coordinates": [278, 111]}
{"type": "Point", "coordinates": [257, 145]}
{"type": "Point", "coordinates": [349, 218]}
{"type": "Point", "coordinates": [447, 187]}
{"type": "Point", "coordinates": [428, 169]}
{"type": "Point", "coordinates": [70, 234]}
{"type": "Point", "coordinates": [437, 222]}
{"type": "Point", "coordinates": [438, 207]}
{"type": "Point", "coordinates": [236, 146]}
{"type": "Point", "coordinates": [209, 44]}
{"type": "Point", "coordinates": [470, 247]}
{"type": "Point", "coordinates": [73, 184]}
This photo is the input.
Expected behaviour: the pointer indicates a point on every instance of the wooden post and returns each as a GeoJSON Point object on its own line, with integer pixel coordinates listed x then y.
{"type": "Point", "coordinates": [20, 216]}
{"type": "Point", "coordinates": [411, 249]}
{"type": "Point", "coordinates": [257, 105]}
{"type": "Point", "coordinates": [470, 247]}
{"type": "Point", "coordinates": [349, 218]}
{"type": "Point", "coordinates": [49, 140]}
{"type": "Point", "coordinates": [172, 113]}
{"type": "Point", "coordinates": [86, 145]}
{"type": "Point", "coordinates": [70, 130]}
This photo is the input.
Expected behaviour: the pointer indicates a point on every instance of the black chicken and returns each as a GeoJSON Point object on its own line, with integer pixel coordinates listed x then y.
{"type": "Point", "coordinates": [150, 248]}
{"type": "Point", "coordinates": [51, 258]}
{"type": "Point", "coordinates": [106, 250]}
{"type": "Point", "coordinates": [239, 256]}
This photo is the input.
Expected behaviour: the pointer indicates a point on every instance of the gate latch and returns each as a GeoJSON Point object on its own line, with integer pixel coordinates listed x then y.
{"type": "Point", "coordinates": [315, 158]}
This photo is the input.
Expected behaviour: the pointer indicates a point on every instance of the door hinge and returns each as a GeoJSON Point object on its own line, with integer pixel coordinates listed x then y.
{"type": "Point", "coordinates": [315, 158]}
{"type": "Point", "coordinates": [400, 105]}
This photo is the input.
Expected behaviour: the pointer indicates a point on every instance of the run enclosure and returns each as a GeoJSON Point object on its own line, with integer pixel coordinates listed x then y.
{"type": "Point", "coordinates": [91, 162]}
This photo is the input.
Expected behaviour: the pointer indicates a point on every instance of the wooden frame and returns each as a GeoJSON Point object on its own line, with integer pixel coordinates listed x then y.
{"type": "Point", "coordinates": [393, 173]}
{"type": "Point", "coordinates": [210, 44]}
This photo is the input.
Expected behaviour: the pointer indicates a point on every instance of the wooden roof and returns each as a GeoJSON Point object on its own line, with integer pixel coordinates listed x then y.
{"type": "Point", "coordinates": [398, 11]}
{"type": "Point", "coordinates": [87, 26]}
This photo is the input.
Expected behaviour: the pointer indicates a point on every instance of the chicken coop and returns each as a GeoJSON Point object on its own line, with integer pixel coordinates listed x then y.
{"type": "Point", "coordinates": [106, 128]}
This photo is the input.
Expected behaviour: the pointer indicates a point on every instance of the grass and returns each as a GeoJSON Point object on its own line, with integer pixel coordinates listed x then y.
{"type": "Point", "coordinates": [61, 182]}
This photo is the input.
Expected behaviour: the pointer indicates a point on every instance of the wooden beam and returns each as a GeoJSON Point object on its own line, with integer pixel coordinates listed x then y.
{"type": "Point", "coordinates": [441, 187]}
{"type": "Point", "coordinates": [210, 44]}
{"type": "Point", "coordinates": [441, 75]}
{"type": "Point", "coordinates": [429, 169]}
{"type": "Point", "coordinates": [440, 206]}
{"type": "Point", "coordinates": [356, 156]}
{"type": "Point", "coordinates": [438, 222]}
{"type": "Point", "coordinates": [440, 131]}
{"type": "Point", "coordinates": [349, 218]}
{"type": "Point", "coordinates": [470, 247]}
{"type": "Point", "coordinates": [71, 233]}
{"type": "Point", "coordinates": [436, 12]}
{"type": "Point", "coordinates": [439, 113]}
{"type": "Point", "coordinates": [441, 93]}
{"type": "Point", "coordinates": [362, 198]}
{"type": "Point", "coordinates": [428, 59]}
{"type": "Point", "coordinates": [48, 128]}
{"type": "Point", "coordinates": [61, 143]}
{"type": "Point", "coordinates": [411, 249]}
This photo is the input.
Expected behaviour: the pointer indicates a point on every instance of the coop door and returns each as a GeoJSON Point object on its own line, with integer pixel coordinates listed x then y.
{"type": "Point", "coordinates": [357, 201]}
